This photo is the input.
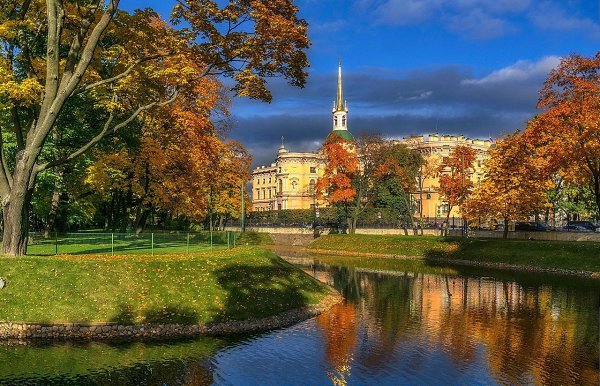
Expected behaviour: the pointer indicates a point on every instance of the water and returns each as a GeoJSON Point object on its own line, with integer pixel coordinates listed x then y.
{"type": "Point", "coordinates": [401, 323]}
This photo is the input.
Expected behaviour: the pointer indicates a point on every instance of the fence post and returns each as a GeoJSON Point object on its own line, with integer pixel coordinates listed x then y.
{"type": "Point", "coordinates": [56, 243]}
{"type": "Point", "coordinates": [152, 242]}
{"type": "Point", "coordinates": [228, 239]}
{"type": "Point", "coordinates": [188, 243]}
{"type": "Point", "coordinates": [211, 241]}
{"type": "Point", "coordinates": [112, 244]}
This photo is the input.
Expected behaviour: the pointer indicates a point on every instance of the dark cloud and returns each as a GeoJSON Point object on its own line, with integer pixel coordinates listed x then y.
{"type": "Point", "coordinates": [446, 100]}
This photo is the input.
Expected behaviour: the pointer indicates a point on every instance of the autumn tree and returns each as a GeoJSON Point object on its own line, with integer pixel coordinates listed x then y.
{"type": "Point", "coordinates": [455, 177]}
{"type": "Point", "coordinates": [515, 184]}
{"type": "Point", "coordinates": [55, 53]}
{"type": "Point", "coordinates": [394, 177]}
{"type": "Point", "coordinates": [567, 131]}
{"type": "Point", "coordinates": [341, 168]}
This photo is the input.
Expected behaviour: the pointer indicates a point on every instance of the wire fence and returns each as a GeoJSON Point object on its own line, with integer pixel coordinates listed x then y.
{"type": "Point", "coordinates": [129, 243]}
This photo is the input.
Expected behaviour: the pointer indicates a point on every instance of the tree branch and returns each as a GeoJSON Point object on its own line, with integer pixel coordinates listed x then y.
{"type": "Point", "coordinates": [121, 75]}
{"type": "Point", "coordinates": [105, 131]}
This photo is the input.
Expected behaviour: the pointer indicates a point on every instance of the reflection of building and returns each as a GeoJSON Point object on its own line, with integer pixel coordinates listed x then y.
{"type": "Point", "coordinates": [435, 149]}
{"type": "Point", "coordinates": [288, 183]}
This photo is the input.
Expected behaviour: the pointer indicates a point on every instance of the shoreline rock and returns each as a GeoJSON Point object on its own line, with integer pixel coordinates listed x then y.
{"type": "Point", "coordinates": [24, 333]}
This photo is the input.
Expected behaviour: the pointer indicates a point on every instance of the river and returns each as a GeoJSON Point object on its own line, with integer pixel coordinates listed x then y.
{"type": "Point", "coordinates": [402, 322]}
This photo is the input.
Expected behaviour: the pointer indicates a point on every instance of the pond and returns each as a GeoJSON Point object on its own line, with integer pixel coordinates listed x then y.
{"type": "Point", "coordinates": [402, 322]}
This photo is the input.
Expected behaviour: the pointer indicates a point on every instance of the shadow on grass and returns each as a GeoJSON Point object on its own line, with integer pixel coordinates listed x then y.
{"type": "Point", "coordinates": [260, 291]}
{"type": "Point", "coordinates": [166, 314]}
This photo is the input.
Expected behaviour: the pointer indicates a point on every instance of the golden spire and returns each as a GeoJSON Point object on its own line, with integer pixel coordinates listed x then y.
{"type": "Point", "coordinates": [340, 104]}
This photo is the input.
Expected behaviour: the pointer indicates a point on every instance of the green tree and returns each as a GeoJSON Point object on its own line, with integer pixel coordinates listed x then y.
{"type": "Point", "coordinates": [54, 52]}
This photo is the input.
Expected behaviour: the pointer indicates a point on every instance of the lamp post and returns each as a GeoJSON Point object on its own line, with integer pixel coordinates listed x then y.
{"type": "Point", "coordinates": [379, 219]}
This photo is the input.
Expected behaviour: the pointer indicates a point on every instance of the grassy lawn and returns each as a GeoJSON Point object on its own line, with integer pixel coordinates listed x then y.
{"type": "Point", "coordinates": [119, 243]}
{"type": "Point", "coordinates": [576, 255]}
{"type": "Point", "coordinates": [241, 283]}
{"type": "Point", "coordinates": [392, 245]}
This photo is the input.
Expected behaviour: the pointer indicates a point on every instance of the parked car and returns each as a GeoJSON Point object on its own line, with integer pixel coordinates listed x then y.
{"type": "Point", "coordinates": [587, 225]}
{"type": "Point", "coordinates": [575, 228]}
{"type": "Point", "coordinates": [530, 227]}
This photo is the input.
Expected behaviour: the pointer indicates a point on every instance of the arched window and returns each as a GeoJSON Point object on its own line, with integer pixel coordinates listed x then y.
{"type": "Point", "coordinates": [312, 186]}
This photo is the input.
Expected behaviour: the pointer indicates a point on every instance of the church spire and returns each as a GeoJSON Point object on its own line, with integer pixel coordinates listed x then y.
{"type": "Point", "coordinates": [340, 110]}
{"type": "Point", "coordinates": [340, 103]}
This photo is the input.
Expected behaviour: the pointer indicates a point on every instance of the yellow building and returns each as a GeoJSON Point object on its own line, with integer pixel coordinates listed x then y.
{"type": "Point", "coordinates": [289, 182]}
{"type": "Point", "coordinates": [435, 149]}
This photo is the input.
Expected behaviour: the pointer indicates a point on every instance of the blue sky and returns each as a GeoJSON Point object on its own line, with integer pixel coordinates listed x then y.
{"type": "Point", "coordinates": [470, 67]}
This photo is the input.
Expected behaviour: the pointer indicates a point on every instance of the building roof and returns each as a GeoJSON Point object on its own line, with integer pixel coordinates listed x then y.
{"type": "Point", "coordinates": [342, 133]}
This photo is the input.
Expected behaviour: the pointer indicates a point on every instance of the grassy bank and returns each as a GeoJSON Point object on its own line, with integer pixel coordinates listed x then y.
{"type": "Point", "coordinates": [573, 255]}
{"type": "Point", "coordinates": [242, 283]}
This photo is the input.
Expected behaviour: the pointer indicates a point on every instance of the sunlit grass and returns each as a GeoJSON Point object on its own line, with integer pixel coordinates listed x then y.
{"type": "Point", "coordinates": [241, 283]}
{"type": "Point", "coordinates": [574, 255]}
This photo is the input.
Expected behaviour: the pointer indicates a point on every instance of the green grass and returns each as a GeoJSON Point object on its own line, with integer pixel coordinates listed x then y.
{"type": "Point", "coordinates": [119, 243]}
{"type": "Point", "coordinates": [241, 283]}
{"type": "Point", "coordinates": [254, 238]}
{"type": "Point", "coordinates": [392, 245]}
{"type": "Point", "coordinates": [574, 255]}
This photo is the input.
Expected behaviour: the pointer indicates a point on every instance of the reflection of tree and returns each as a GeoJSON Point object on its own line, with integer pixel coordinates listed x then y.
{"type": "Point", "coordinates": [340, 328]}
{"type": "Point", "coordinates": [529, 332]}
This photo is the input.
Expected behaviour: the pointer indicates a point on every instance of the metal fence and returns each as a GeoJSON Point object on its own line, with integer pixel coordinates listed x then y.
{"type": "Point", "coordinates": [129, 243]}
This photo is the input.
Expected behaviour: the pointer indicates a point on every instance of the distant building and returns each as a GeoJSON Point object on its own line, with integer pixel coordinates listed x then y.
{"type": "Point", "coordinates": [436, 148]}
{"type": "Point", "coordinates": [289, 182]}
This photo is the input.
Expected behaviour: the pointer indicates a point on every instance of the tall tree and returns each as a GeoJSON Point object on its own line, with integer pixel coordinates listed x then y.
{"type": "Point", "coordinates": [567, 131]}
{"type": "Point", "coordinates": [55, 52]}
{"type": "Point", "coordinates": [455, 177]}
{"type": "Point", "coordinates": [342, 167]}
{"type": "Point", "coordinates": [515, 185]}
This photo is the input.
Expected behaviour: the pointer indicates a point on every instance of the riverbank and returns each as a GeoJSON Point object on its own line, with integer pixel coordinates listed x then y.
{"type": "Point", "coordinates": [244, 289]}
{"type": "Point", "coordinates": [578, 258]}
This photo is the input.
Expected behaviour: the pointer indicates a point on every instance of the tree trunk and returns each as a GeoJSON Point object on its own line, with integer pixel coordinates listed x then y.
{"type": "Point", "coordinates": [596, 188]}
{"type": "Point", "coordinates": [141, 219]}
{"type": "Point", "coordinates": [16, 220]}
{"type": "Point", "coordinates": [505, 232]}
{"type": "Point", "coordinates": [51, 223]}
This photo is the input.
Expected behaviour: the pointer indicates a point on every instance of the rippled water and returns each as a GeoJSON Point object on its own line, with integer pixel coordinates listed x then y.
{"type": "Point", "coordinates": [401, 323]}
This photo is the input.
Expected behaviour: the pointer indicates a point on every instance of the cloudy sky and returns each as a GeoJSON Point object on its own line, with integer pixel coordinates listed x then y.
{"type": "Point", "coordinates": [470, 67]}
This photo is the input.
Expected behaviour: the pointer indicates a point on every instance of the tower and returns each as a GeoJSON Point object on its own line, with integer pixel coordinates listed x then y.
{"type": "Point", "coordinates": [340, 113]}
{"type": "Point", "coordinates": [340, 110]}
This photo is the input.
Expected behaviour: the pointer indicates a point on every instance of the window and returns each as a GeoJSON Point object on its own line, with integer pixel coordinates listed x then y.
{"type": "Point", "coordinates": [294, 186]}
{"type": "Point", "coordinates": [269, 193]}
{"type": "Point", "coordinates": [313, 169]}
{"type": "Point", "coordinates": [343, 120]}
{"type": "Point", "coordinates": [311, 186]}
{"type": "Point", "coordinates": [269, 180]}
{"type": "Point", "coordinates": [335, 120]}
{"type": "Point", "coordinates": [263, 181]}
{"type": "Point", "coordinates": [280, 186]}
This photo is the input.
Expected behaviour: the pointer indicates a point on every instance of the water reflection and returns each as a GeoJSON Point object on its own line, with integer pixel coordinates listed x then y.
{"type": "Point", "coordinates": [436, 327]}
{"type": "Point", "coordinates": [401, 323]}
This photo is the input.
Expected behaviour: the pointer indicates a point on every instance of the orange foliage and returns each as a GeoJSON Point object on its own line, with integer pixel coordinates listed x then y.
{"type": "Point", "coordinates": [341, 167]}
{"type": "Point", "coordinates": [455, 180]}
{"type": "Point", "coordinates": [566, 133]}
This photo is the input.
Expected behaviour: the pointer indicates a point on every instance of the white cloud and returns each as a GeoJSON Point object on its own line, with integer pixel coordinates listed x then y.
{"type": "Point", "coordinates": [522, 70]}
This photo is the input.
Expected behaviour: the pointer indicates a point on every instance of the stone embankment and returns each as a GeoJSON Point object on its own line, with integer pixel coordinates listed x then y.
{"type": "Point", "coordinates": [107, 331]}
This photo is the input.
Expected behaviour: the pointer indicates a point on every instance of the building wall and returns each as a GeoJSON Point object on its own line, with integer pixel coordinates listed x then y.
{"type": "Point", "coordinates": [435, 147]}
{"type": "Point", "coordinates": [286, 183]}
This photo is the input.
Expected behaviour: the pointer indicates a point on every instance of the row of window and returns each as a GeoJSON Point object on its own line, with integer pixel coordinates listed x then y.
{"type": "Point", "coordinates": [294, 185]}
{"type": "Point", "coordinates": [313, 170]}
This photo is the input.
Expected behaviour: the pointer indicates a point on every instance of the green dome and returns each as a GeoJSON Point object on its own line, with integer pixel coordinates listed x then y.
{"type": "Point", "coordinates": [342, 133]}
